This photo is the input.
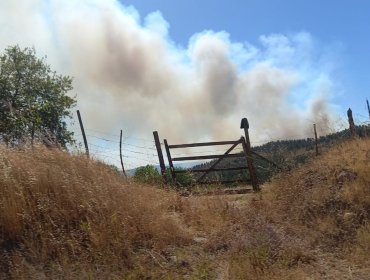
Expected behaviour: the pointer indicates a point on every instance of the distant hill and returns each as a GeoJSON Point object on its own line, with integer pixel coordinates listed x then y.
{"type": "Point", "coordinates": [131, 172]}
{"type": "Point", "coordinates": [285, 153]}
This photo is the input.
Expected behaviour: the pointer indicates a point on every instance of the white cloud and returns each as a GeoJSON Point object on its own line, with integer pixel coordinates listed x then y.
{"type": "Point", "coordinates": [132, 76]}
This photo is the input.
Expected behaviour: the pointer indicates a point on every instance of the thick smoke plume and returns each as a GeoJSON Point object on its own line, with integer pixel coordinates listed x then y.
{"type": "Point", "coordinates": [129, 74]}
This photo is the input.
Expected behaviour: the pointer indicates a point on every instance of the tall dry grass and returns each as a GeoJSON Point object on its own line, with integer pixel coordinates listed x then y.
{"type": "Point", "coordinates": [317, 210]}
{"type": "Point", "coordinates": [330, 196]}
{"type": "Point", "coordinates": [68, 217]}
{"type": "Point", "coordinates": [63, 212]}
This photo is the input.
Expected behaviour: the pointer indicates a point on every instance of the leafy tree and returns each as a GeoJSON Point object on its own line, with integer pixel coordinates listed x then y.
{"type": "Point", "coordinates": [33, 100]}
{"type": "Point", "coordinates": [147, 174]}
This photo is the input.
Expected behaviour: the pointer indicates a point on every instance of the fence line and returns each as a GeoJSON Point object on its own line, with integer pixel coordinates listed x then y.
{"type": "Point", "coordinates": [138, 150]}
{"type": "Point", "coordinates": [103, 147]}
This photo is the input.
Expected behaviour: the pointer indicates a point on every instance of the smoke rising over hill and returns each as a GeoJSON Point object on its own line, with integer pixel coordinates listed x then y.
{"type": "Point", "coordinates": [129, 74]}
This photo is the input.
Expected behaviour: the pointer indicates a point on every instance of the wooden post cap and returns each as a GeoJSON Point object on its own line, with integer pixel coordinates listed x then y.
{"type": "Point", "coordinates": [244, 123]}
{"type": "Point", "coordinates": [349, 112]}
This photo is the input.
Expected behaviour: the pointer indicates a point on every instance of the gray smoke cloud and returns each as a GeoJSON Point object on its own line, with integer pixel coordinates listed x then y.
{"type": "Point", "coordinates": [129, 74]}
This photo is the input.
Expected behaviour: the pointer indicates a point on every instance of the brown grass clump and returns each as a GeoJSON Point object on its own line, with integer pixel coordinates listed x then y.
{"type": "Point", "coordinates": [64, 216]}
{"type": "Point", "coordinates": [301, 219]}
{"type": "Point", "coordinates": [63, 213]}
{"type": "Point", "coordinates": [330, 196]}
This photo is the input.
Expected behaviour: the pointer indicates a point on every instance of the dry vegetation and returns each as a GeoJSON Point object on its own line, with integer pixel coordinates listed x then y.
{"type": "Point", "coordinates": [67, 217]}
{"type": "Point", "coordinates": [310, 223]}
{"type": "Point", "coordinates": [78, 218]}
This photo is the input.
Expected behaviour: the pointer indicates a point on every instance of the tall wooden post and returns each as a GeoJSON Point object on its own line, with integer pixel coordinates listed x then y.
{"type": "Point", "coordinates": [83, 133]}
{"type": "Point", "coordinates": [316, 144]}
{"type": "Point", "coordinates": [368, 109]}
{"type": "Point", "coordinates": [120, 153]}
{"type": "Point", "coordinates": [160, 155]}
{"type": "Point", "coordinates": [352, 127]}
{"type": "Point", "coordinates": [173, 174]}
{"type": "Point", "coordinates": [247, 149]}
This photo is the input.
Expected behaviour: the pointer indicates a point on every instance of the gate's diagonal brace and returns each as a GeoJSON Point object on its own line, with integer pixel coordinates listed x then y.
{"type": "Point", "coordinates": [214, 165]}
{"type": "Point", "coordinates": [266, 159]}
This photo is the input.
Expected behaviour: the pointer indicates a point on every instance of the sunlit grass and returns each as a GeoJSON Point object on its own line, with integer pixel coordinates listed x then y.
{"type": "Point", "coordinates": [69, 217]}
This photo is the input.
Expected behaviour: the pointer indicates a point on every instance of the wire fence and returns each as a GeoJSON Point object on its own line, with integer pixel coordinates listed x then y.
{"type": "Point", "coordinates": [139, 151]}
{"type": "Point", "coordinates": [105, 147]}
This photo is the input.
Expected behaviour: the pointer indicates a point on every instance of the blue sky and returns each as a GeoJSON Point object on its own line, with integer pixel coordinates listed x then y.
{"type": "Point", "coordinates": [192, 69]}
{"type": "Point", "coordinates": [343, 26]}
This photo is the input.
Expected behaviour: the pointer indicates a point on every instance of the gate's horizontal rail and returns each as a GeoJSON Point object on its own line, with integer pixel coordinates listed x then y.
{"type": "Point", "coordinates": [228, 191]}
{"type": "Point", "coordinates": [202, 144]}
{"type": "Point", "coordinates": [214, 169]}
{"type": "Point", "coordinates": [207, 157]}
{"type": "Point", "coordinates": [225, 182]}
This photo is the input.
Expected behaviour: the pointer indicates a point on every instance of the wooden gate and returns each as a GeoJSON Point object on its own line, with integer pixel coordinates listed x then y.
{"type": "Point", "coordinates": [201, 180]}
{"type": "Point", "coordinates": [243, 141]}
{"type": "Point", "coordinates": [246, 153]}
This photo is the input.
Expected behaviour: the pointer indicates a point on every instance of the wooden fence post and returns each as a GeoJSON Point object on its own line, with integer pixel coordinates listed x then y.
{"type": "Point", "coordinates": [173, 174]}
{"type": "Point", "coordinates": [120, 153]}
{"type": "Point", "coordinates": [368, 110]}
{"type": "Point", "coordinates": [316, 144]}
{"type": "Point", "coordinates": [247, 149]}
{"type": "Point", "coordinates": [83, 133]}
{"type": "Point", "coordinates": [160, 155]}
{"type": "Point", "coordinates": [352, 127]}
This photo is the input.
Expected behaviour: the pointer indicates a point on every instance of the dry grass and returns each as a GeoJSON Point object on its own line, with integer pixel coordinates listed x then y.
{"type": "Point", "coordinates": [66, 212]}
{"type": "Point", "coordinates": [64, 216]}
{"type": "Point", "coordinates": [330, 196]}
{"type": "Point", "coordinates": [324, 207]}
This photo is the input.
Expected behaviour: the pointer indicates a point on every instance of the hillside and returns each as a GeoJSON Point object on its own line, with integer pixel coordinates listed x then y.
{"type": "Point", "coordinates": [68, 217]}
{"type": "Point", "coordinates": [287, 154]}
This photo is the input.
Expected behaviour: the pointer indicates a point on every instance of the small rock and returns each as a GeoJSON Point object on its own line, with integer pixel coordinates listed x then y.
{"type": "Point", "coordinates": [199, 239]}
{"type": "Point", "coordinates": [173, 259]}
{"type": "Point", "coordinates": [348, 216]}
{"type": "Point", "coordinates": [346, 175]}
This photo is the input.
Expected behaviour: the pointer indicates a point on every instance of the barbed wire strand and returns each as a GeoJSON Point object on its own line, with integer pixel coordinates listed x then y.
{"type": "Point", "coordinates": [144, 152]}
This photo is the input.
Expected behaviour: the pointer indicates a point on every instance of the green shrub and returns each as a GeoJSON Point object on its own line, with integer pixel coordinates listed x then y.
{"type": "Point", "coordinates": [148, 174]}
{"type": "Point", "coordinates": [184, 179]}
